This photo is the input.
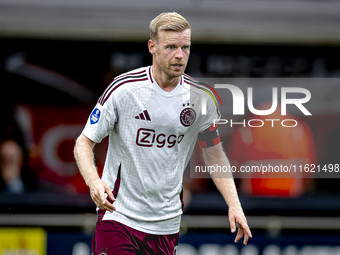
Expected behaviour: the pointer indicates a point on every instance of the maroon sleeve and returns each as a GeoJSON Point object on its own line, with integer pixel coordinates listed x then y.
{"type": "Point", "coordinates": [209, 137]}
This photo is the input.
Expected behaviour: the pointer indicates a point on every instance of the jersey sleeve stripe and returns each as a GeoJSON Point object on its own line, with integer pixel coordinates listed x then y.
{"type": "Point", "coordinates": [206, 90]}
{"type": "Point", "coordinates": [117, 86]}
{"type": "Point", "coordinates": [120, 78]}
{"type": "Point", "coordinates": [117, 78]}
{"type": "Point", "coordinates": [129, 74]}
{"type": "Point", "coordinates": [200, 84]}
{"type": "Point", "coordinates": [116, 81]}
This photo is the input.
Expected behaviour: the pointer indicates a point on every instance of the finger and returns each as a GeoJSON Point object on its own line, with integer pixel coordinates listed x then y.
{"type": "Point", "coordinates": [100, 200]}
{"type": "Point", "coordinates": [239, 235]}
{"type": "Point", "coordinates": [108, 206]}
{"type": "Point", "coordinates": [246, 237]}
{"type": "Point", "coordinates": [248, 232]}
{"type": "Point", "coordinates": [109, 193]}
{"type": "Point", "coordinates": [97, 199]}
{"type": "Point", "coordinates": [97, 204]}
{"type": "Point", "coordinates": [232, 224]}
{"type": "Point", "coordinates": [102, 197]}
{"type": "Point", "coordinates": [109, 200]}
{"type": "Point", "coordinates": [246, 229]}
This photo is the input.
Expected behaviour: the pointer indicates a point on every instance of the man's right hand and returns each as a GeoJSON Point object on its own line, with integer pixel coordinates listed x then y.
{"type": "Point", "coordinates": [83, 153]}
{"type": "Point", "coordinates": [98, 188]}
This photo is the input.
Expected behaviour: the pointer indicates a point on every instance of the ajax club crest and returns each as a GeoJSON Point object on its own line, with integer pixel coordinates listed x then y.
{"type": "Point", "coordinates": [188, 116]}
{"type": "Point", "coordinates": [103, 252]}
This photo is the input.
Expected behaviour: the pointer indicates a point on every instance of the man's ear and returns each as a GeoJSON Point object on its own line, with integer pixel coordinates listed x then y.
{"type": "Point", "coordinates": [152, 47]}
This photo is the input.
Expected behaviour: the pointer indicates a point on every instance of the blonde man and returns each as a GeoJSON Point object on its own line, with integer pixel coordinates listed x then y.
{"type": "Point", "coordinates": [153, 118]}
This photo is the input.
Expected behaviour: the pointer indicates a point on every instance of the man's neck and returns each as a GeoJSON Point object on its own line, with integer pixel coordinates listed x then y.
{"type": "Point", "coordinates": [164, 82]}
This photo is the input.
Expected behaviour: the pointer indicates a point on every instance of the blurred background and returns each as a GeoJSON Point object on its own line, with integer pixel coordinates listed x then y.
{"type": "Point", "coordinates": [58, 56]}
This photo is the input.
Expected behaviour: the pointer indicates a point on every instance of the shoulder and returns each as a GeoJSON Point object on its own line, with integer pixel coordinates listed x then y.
{"type": "Point", "coordinates": [139, 72]}
{"type": "Point", "coordinates": [198, 87]}
{"type": "Point", "coordinates": [126, 82]}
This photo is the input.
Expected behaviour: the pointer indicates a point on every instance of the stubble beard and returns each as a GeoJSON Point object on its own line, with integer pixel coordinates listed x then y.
{"type": "Point", "coordinates": [173, 74]}
{"type": "Point", "coordinates": [166, 68]}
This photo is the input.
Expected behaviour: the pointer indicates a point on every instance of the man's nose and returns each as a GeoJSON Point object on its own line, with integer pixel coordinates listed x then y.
{"type": "Point", "coordinates": [179, 53]}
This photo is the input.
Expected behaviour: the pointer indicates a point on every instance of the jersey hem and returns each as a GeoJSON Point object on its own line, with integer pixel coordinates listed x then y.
{"type": "Point", "coordinates": [148, 231]}
{"type": "Point", "coordinates": [134, 224]}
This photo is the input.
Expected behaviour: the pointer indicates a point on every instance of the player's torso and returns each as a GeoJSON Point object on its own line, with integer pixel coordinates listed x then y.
{"type": "Point", "coordinates": [156, 132]}
{"type": "Point", "coordinates": [156, 122]}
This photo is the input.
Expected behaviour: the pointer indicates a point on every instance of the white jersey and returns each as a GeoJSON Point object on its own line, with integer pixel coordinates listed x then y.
{"type": "Point", "coordinates": [152, 134]}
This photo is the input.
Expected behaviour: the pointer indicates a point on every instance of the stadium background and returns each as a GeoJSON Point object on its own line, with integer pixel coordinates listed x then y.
{"type": "Point", "coordinates": [58, 56]}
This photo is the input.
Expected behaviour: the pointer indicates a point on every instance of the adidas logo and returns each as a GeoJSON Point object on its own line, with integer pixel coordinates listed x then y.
{"type": "Point", "coordinates": [143, 116]}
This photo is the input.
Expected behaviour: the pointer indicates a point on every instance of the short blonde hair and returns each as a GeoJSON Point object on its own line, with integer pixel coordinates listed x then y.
{"type": "Point", "coordinates": [167, 21]}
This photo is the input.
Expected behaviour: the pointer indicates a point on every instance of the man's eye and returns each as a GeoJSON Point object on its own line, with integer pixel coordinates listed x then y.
{"type": "Point", "coordinates": [171, 47]}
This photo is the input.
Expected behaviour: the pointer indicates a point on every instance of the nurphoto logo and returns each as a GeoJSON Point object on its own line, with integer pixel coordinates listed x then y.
{"type": "Point", "coordinates": [239, 103]}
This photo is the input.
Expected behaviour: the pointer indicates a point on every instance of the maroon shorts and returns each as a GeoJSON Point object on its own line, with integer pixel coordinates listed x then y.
{"type": "Point", "coordinates": [114, 238]}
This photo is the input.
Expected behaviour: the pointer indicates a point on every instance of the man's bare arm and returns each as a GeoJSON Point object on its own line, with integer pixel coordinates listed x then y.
{"type": "Point", "coordinates": [215, 156]}
{"type": "Point", "coordinates": [83, 153]}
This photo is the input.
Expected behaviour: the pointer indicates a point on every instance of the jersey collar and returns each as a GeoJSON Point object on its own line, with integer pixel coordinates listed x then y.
{"type": "Point", "coordinates": [160, 91]}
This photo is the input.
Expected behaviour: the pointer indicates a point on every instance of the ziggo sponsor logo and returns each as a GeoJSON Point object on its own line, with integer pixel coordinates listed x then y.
{"type": "Point", "coordinates": [148, 138]}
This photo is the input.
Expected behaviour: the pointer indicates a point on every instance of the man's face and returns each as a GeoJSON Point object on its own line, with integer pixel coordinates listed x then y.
{"type": "Point", "coordinates": [172, 52]}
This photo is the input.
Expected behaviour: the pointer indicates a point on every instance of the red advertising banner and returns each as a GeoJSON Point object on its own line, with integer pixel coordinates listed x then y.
{"type": "Point", "coordinates": [50, 133]}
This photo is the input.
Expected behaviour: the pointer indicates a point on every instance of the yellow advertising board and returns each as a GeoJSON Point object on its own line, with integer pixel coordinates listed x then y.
{"type": "Point", "coordinates": [28, 241]}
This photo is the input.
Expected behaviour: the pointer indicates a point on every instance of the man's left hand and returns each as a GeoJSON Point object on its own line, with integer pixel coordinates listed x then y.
{"type": "Point", "coordinates": [236, 215]}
